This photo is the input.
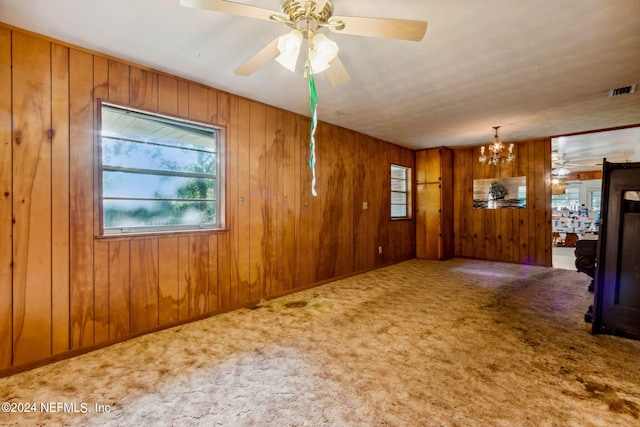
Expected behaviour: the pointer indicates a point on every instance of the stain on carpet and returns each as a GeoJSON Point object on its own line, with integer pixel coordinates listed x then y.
{"type": "Point", "coordinates": [296, 304]}
{"type": "Point", "coordinates": [607, 394]}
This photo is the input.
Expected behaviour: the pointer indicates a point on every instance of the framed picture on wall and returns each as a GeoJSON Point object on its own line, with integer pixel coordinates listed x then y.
{"type": "Point", "coordinates": [496, 193]}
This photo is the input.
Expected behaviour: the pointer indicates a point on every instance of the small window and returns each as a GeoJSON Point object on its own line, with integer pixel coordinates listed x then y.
{"type": "Point", "coordinates": [157, 173]}
{"type": "Point", "coordinates": [400, 191]}
{"type": "Point", "coordinates": [569, 201]}
{"type": "Point", "coordinates": [595, 200]}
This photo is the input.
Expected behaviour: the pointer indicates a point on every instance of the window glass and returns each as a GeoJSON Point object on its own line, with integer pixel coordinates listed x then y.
{"type": "Point", "coordinates": [569, 201]}
{"type": "Point", "coordinates": [158, 173]}
{"type": "Point", "coordinates": [400, 194]}
{"type": "Point", "coordinates": [595, 200]}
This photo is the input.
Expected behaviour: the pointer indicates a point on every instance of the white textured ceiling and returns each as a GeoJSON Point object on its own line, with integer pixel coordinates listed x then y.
{"type": "Point", "coordinates": [535, 67]}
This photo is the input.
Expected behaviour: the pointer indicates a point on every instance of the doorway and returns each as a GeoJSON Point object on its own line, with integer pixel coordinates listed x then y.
{"type": "Point", "coordinates": [575, 216]}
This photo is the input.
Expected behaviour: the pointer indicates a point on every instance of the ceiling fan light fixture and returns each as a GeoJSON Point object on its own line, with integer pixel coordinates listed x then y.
{"type": "Point", "coordinates": [322, 51]}
{"type": "Point", "coordinates": [289, 48]}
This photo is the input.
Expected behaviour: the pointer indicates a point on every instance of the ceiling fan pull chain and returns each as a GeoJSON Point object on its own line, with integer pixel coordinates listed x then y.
{"type": "Point", "coordinates": [313, 106]}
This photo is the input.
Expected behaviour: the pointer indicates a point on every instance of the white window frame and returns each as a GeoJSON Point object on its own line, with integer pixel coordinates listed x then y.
{"type": "Point", "coordinates": [218, 176]}
{"type": "Point", "coordinates": [407, 192]}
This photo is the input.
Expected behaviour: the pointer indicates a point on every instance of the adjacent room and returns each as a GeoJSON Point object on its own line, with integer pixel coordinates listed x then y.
{"type": "Point", "coordinates": [576, 185]}
{"type": "Point", "coordinates": [338, 213]}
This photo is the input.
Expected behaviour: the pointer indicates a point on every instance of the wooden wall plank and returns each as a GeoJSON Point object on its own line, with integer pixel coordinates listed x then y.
{"type": "Point", "coordinates": [306, 251]}
{"type": "Point", "coordinates": [6, 202]}
{"type": "Point", "coordinates": [168, 280]}
{"type": "Point", "coordinates": [366, 168]}
{"type": "Point", "coordinates": [228, 242]}
{"type": "Point", "coordinates": [532, 197]}
{"type": "Point", "coordinates": [479, 248]}
{"type": "Point", "coordinates": [60, 200]}
{"type": "Point", "coordinates": [507, 217]}
{"type": "Point", "coordinates": [523, 214]}
{"type": "Point", "coordinates": [291, 184]}
{"type": "Point", "coordinates": [242, 229]}
{"type": "Point", "coordinates": [421, 200]}
{"type": "Point", "coordinates": [468, 211]}
{"type": "Point", "coordinates": [101, 293]}
{"type": "Point", "coordinates": [327, 215]}
{"type": "Point", "coordinates": [212, 270]}
{"type": "Point", "coordinates": [184, 278]}
{"type": "Point", "coordinates": [516, 228]}
{"type": "Point", "coordinates": [275, 164]}
{"type": "Point", "coordinates": [119, 82]}
{"type": "Point", "coordinates": [119, 289]}
{"type": "Point", "coordinates": [360, 228]}
{"type": "Point", "coordinates": [490, 231]}
{"type": "Point", "coordinates": [144, 284]}
{"type": "Point", "coordinates": [446, 197]}
{"type": "Point", "coordinates": [433, 221]}
{"type": "Point", "coordinates": [458, 186]}
{"type": "Point", "coordinates": [292, 134]}
{"type": "Point", "coordinates": [409, 241]}
{"type": "Point", "coordinates": [183, 98]}
{"type": "Point", "coordinates": [224, 108]}
{"type": "Point", "coordinates": [342, 163]}
{"type": "Point", "coordinates": [545, 240]}
{"type": "Point", "coordinates": [212, 99]}
{"type": "Point", "coordinates": [542, 200]}
{"type": "Point", "coordinates": [272, 236]}
{"type": "Point", "coordinates": [31, 99]}
{"type": "Point", "coordinates": [257, 203]}
{"type": "Point", "coordinates": [101, 249]}
{"type": "Point", "coordinates": [143, 89]}
{"type": "Point", "coordinates": [381, 196]}
{"type": "Point", "coordinates": [167, 95]}
{"type": "Point", "coordinates": [198, 102]}
{"type": "Point", "coordinates": [198, 295]}
{"type": "Point", "coordinates": [81, 161]}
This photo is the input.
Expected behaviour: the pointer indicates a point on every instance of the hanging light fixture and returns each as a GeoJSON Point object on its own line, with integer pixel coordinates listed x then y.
{"type": "Point", "coordinates": [289, 47]}
{"type": "Point", "coordinates": [495, 149]}
{"type": "Point", "coordinates": [322, 51]}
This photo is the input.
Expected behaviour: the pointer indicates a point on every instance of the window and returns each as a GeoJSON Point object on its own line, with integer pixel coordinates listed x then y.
{"type": "Point", "coordinates": [158, 173]}
{"type": "Point", "coordinates": [595, 200]}
{"type": "Point", "coordinates": [400, 191]}
{"type": "Point", "coordinates": [570, 200]}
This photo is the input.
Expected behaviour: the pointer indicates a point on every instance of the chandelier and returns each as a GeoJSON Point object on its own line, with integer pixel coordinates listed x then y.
{"type": "Point", "coordinates": [495, 154]}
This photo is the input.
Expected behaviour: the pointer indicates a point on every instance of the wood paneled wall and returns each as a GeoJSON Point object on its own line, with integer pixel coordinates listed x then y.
{"type": "Point", "coordinates": [64, 289]}
{"type": "Point", "coordinates": [510, 235]}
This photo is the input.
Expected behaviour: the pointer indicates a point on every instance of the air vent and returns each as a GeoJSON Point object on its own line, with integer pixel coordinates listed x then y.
{"type": "Point", "coordinates": [622, 90]}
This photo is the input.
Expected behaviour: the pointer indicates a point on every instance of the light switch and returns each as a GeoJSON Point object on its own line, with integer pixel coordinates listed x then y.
{"type": "Point", "coordinates": [365, 205]}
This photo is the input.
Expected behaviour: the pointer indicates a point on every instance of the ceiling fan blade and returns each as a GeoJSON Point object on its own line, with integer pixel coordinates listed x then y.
{"type": "Point", "coordinates": [578, 165]}
{"type": "Point", "coordinates": [256, 61]}
{"type": "Point", "coordinates": [336, 72]}
{"type": "Point", "coordinates": [400, 29]}
{"type": "Point", "coordinates": [230, 7]}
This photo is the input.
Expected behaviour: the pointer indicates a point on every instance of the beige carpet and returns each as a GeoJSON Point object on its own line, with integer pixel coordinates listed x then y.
{"type": "Point", "coordinates": [455, 343]}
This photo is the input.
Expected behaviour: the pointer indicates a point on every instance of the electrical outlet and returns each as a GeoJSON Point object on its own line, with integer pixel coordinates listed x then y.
{"type": "Point", "coordinates": [379, 249]}
{"type": "Point", "coordinates": [365, 205]}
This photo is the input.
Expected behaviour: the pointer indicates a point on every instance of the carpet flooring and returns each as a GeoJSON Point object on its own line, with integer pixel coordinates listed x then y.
{"type": "Point", "coordinates": [420, 343]}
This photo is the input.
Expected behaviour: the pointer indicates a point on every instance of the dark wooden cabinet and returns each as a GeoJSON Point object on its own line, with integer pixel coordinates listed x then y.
{"type": "Point", "coordinates": [434, 203]}
{"type": "Point", "coordinates": [616, 307]}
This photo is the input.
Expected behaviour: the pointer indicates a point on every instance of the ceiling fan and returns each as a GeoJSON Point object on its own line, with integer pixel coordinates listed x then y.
{"type": "Point", "coordinates": [560, 165]}
{"type": "Point", "coordinates": [307, 18]}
